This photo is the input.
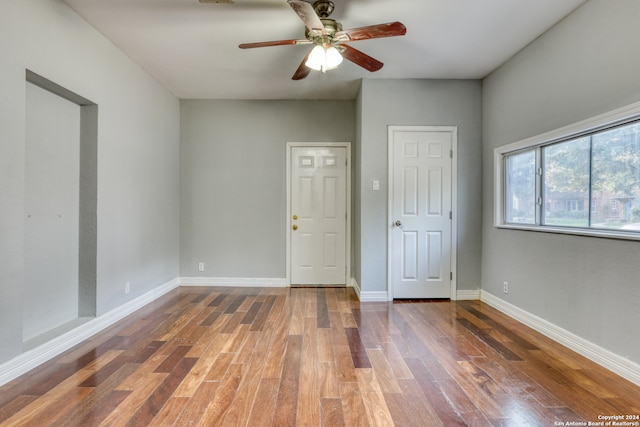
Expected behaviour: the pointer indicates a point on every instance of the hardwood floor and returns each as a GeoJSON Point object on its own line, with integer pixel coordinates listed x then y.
{"type": "Point", "coordinates": [314, 357]}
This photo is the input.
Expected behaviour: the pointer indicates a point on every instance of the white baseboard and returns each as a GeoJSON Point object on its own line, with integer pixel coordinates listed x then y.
{"type": "Point", "coordinates": [30, 359]}
{"type": "Point", "coordinates": [374, 296]}
{"type": "Point", "coordinates": [467, 294]}
{"type": "Point", "coordinates": [367, 296]}
{"type": "Point", "coordinates": [237, 282]}
{"type": "Point", "coordinates": [613, 362]}
{"type": "Point", "coordinates": [356, 287]}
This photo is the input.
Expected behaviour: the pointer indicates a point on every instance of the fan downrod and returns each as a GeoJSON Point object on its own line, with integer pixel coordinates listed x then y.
{"type": "Point", "coordinates": [323, 8]}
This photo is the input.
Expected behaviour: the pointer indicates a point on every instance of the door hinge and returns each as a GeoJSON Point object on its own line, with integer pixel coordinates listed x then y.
{"type": "Point", "coordinates": [451, 275]}
{"type": "Point", "coordinates": [450, 214]}
{"type": "Point", "coordinates": [451, 154]}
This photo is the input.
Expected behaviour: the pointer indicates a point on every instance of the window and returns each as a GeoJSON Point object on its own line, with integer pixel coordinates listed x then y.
{"type": "Point", "coordinates": [520, 188]}
{"type": "Point", "coordinates": [584, 179]}
{"type": "Point", "coordinates": [565, 167]}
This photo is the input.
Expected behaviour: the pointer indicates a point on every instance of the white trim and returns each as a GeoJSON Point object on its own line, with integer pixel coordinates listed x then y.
{"type": "Point", "coordinates": [238, 282]}
{"type": "Point", "coordinates": [368, 296]}
{"type": "Point", "coordinates": [454, 210]}
{"type": "Point", "coordinates": [615, 363]}
{"type": "Point", "coordinates": [374, 296]}
{"type": "Point", "coordinates": [31, 359]}
{"type": "Point", "coordinates": [454, 202]}
{"type": "Point", "coordinates": [612, 234]}
{"type": "Point", "coordinates": [498, 187]}
{"type": "Point", "coordinates": [347, 146]}
{"type": "Point", "coordinates": [468, 294]}
{"type": "Point", "coordinates": [356, 286]}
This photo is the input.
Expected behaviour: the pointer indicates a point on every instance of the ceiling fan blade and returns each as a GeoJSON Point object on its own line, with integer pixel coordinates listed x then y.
{"type": "Point", "coordinates": [390, 29]}
{"type": "Point", "coordinates": [272, 43]}
{"type": "Point", "coordinates": [303, 70]}
{"type": "Point", "coordinates": [360, 58]}
{"type": "Point", "coordinates": [308, 15]}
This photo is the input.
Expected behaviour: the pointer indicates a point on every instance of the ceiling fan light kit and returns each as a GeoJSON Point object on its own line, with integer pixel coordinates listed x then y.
{"type": "Point", "coordinates": [323, 58]}
{"type": "Point", "coordinates": [330, 39]}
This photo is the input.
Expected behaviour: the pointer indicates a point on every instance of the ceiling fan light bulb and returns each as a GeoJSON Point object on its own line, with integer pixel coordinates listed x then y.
{"type": "Point", "coordinates": [323, 59]}
{"type": "Point", "coordinates": [315, 61]}
{"type": "Point", "coordinates": [333, 58]}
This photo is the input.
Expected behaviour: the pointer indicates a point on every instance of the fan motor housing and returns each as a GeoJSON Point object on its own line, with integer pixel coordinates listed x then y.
{"type": "Point", "coordinates": [331, 26]}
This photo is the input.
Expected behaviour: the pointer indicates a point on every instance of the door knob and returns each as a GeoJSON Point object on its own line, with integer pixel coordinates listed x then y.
{"type": "Point", "coordinates": [295, 226]}
{"type": "Point", "coordinates": [398, 223]}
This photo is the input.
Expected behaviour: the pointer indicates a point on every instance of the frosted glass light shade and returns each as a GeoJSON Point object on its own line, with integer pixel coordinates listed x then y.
{"type": "Point", "coordinates": [323, 58]}
{"type": "Point", "coordinates": [334, 58]}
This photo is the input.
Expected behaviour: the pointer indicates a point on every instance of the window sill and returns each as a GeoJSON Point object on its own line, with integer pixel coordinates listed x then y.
{"type": "Point", "coordinates": [607, 234]}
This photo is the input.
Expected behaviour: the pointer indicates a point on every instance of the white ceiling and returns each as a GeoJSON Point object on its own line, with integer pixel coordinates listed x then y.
{"type": "Point", "coordinates": [192, 47]}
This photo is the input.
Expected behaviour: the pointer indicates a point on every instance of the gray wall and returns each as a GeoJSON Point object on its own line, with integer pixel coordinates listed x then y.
{"type": "Point", "coordinates": [384, 102]}
{"type": "Point", "coordinates": [138, 156]}
{"type": "Point", "coordinates": [234, 180]}
{"type": "Point", "coordinates": [584, 66]}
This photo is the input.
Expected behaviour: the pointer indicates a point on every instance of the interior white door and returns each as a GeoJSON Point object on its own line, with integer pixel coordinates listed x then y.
{"type": "Point", "coordinates": [318, 215]}
{"type": "Point", "coordinates": [420, 249]}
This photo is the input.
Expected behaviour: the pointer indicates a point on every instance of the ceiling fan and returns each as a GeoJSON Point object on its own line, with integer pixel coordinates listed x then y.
{"type": "Point", "coordinates": [330, 39]}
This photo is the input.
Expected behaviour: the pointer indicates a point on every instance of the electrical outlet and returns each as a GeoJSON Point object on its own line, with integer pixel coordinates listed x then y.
{"type": "Point", "coordinates": [127, 288]}
{"type": "Point", "coordinates": [505, 288]}
{"type": "Point", "coordinates": [201, 266]}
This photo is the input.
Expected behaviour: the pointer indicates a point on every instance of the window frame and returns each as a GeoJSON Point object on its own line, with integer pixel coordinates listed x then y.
{"type": "Point", "coordinates": [586, 127]}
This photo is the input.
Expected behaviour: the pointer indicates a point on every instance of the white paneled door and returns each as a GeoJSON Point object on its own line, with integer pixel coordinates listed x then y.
{"type": "Point", "coordinates": [318, 215]}
{"type": "Point", "coordinates": [421, 211]}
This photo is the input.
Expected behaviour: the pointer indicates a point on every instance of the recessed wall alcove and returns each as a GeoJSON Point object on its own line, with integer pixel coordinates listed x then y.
{"type": "Point", "coordinates": [60, 210]}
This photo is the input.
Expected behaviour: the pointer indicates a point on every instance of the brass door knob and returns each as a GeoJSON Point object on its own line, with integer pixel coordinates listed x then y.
{"type": "Point", "coordinates": [295, 226]}
{"type": "Point", "coordinates": [295, 217]}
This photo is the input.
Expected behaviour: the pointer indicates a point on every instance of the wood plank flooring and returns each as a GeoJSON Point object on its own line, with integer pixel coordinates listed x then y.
{"type": "Point", "coordinates": [314, 357]}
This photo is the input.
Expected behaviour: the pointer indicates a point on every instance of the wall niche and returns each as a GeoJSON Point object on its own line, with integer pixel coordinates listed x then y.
{"type": "Point", "coordinates": [60, 210]}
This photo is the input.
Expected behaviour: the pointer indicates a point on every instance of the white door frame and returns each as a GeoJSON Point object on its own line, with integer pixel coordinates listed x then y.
{"type": "Point", "coordinates": [347, 146]}
{"type": "Point", "coordinates": [454, 202]}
